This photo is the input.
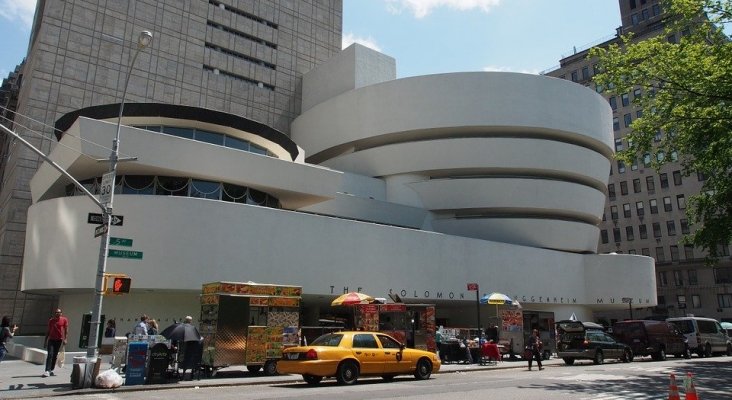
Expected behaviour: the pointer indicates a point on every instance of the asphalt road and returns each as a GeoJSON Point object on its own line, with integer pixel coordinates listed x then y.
{"type": "Point", "coordinates": [642, 379]}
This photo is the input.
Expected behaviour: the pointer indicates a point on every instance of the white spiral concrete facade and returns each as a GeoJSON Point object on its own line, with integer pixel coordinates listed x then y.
{"type": "Point", "coordinates": [414, 186]}
{"type": "Point", "coordinates": [498, 156]}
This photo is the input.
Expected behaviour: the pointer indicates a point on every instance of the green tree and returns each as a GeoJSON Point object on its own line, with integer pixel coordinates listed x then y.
{"type": "Point", "coordinates": [685, 77]}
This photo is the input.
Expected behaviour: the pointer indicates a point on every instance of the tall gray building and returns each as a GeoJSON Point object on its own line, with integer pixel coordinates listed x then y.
{"type": "Point", "coordinates": [244, 57]}
{"type": "Point", "coordinates": [645, 208]}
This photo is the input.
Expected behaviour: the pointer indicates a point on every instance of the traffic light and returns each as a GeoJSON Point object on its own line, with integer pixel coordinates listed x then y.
{"type": "Point", "coordinates": [121, 285]}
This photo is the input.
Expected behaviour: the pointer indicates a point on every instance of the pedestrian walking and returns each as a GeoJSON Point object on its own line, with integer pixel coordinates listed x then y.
{"type": "Point", "coordinates": [56, 334]}
{"type": "Point", "coordinates": [533, 349]}
{"type": "Point", "coordinates": [111, 329]}
{"type": "Point", "coordinates": [6, 333]}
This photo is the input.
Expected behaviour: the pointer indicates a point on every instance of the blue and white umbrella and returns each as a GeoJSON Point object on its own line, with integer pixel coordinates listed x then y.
{"type": "Point", "coordinates": [496, 298]}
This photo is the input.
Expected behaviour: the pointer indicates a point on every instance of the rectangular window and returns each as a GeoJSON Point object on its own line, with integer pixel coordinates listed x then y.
{"type": "Point", "coordinates": [671, 39]}
{"type": "Point", "coordinates": [646, 251]}
{"type": "Point", "coordinates": [655, 10]}
{"type": "Point", "coordinates": [603, 236]}
{"type": "Point", "coordinates": [585, 72]}
{"type": "Point", "coordinates": [688, 256]}
{"type": "Point", "coordinates": [681, 201]}
{"type": "Point", "coordinates": [627, 119]}
{"type": "Point", "coordinates": [650, 185]}
{"type": "Point", "coordinates": [574, 76]}
{"type": "Point", "coordinates": [642, 231]}
{"type": "Point", "coordinates": [671, 227]}
{"type": "Point", "coordinates": [639, 208]}
{"type": "Point", "coordinates": [661, 300]}
{"type": "Point", "coordinates": [632, 4]}
{"type": "Point", "coordinates": [677, 178]}
{"type": "Point", "coordinates": [613, 103]}
{"type": "Point", "coordinates": [681, 300]}
{"type": "Point", "coordinates": [629, 233]}
{"type": "Point", "coordinates": [724, 300]}
{"type": "Point", "coordinates": [637, 93]}
{"type": "Point", "coordinates": [634, 165]}
{"type": "Point", "coordinates": [614, 212]}
{"type": "Point", "coordinates": [664, 180]}
{"type": "Point", "coordinates": [656, 230]}
{"type": "Point", "coordinates": [624, 188]}
{"type": "Point", "coordinates": [675, 257]}
{"type": "Point", "coordinates": [611, 191]}
{"type": "Point", "coordinates": [678, 277]}
{"type": "Point", "coordinates": [667, 204]}
{"type": "Point", "coordinates": [616, 124]}
{"type": "Point", "coordinates": [654, 206]}
{"type": "Point", "coordinates": [616, 235]}
{"type": "Point", "coordinates": [662, 279]}
{"type": "Point", "coordinates": [684, 226]}
{"type": "Point", "coordinates": [618, 144]}
{"type": "Point", "coordinates": [700, 176]}
{"type": "Point", "coordinates": [646, 160]}
{"type": "Point", "coordinates": [632, 251]}
{"type": "Point", "coordinates": [722, 275]}
{"type": "Point", "coordinates": [621, 167]}
{"type": "Point", "coordinates": [626, 210]}
{"type": "Point", "coordinates": [723, 250]}
{"type": "Point", "coordinates": [658, 136]}
{"type": "Point", "coordinates": [695, 301]}
{"type": "Point", "coordinates": [636, 186]}
{"type": "Point", "coordinates": [625, 99]}
{"type": "Point", "coordinates": [693, 280]}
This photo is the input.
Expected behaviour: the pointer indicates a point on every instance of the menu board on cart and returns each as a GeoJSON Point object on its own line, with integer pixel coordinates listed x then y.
{"type": "Point", "coordinates": [256, 345]}
{"type": "Point", "coordinates": [369, 317]}
{"type": "Point", "coordinates": [512, 321]}
{"type": "Point", "coordinates": [136, 362]}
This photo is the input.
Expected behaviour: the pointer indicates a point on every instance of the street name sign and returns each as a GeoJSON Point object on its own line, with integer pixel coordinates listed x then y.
{"type": "Point", "coordinates": [100, 230]}
{"type": "Point", "coordinates": [125, 254]}
{"type": "Point", "coordinates": [95, 218]}
{"type": "Point", "coordinates": [116, 241]}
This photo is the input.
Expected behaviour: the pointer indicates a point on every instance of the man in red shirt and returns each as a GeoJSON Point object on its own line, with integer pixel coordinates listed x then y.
{"type": "Point", "coordinates": [58, 330]}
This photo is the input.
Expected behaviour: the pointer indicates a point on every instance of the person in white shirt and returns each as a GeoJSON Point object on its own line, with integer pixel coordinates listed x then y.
{"type": "Point", "coordinates": [141, 327]}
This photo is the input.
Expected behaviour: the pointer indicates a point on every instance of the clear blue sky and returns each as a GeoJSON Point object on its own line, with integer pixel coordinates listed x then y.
{"type": "Point", "coordinates": [428, 36]}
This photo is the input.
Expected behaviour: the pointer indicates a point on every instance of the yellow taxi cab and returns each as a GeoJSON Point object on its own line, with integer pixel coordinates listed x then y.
{"type": "Point", "coordinates": [349, 355]}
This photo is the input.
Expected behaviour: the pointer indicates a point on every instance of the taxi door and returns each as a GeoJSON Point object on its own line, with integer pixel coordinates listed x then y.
{"type": "Point", "coordinates": [393, 363]}
{"type": "Point", "coordinates": [369, 354]}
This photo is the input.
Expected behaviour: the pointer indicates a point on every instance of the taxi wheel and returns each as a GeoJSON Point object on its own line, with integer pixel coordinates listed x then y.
{"type": "Point", "coordinates": [347, 373]}
{"type": "Point", "coordinates": [312, 379]}
{"type": "Point", "coordinates": [424, 369]}
{"type": "Point", "coordinates": [627, 356]}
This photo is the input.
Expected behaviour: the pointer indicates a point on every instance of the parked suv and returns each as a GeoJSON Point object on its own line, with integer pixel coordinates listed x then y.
{"type": "Point", "coordinates": [588, 340]}
{"type": "Point", "coordinates": [705, 335]}
{"type": "Point", "coordinates": [652, 338]}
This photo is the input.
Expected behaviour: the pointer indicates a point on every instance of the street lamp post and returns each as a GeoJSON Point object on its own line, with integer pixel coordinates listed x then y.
{"type": "Point", "coordinates": [91, 350]}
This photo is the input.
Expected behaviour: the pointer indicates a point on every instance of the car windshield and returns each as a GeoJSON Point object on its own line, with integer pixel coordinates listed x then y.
{"type": "Point", "coordinates": [331, 339]}
{"type": "Point", "coordinates": [684, 325]}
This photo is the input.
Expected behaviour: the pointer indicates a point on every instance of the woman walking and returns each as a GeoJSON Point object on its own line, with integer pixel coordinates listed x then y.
{"type": "Point", "coordinates": [533, 349]}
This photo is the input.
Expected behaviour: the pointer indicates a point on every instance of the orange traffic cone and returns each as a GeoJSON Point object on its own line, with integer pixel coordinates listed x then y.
{"type": "Point", "coordinates": [689, 388]}
{"type": "Point", "coordinates": [673, 390]}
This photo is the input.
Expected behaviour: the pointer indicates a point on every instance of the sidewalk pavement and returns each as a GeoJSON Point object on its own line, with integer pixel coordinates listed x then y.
{"type": "Point", "coordinates": [22, 380]}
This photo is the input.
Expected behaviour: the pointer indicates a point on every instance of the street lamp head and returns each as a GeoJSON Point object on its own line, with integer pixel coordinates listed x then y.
{"type": "Point", "coordinates": [145, 39]}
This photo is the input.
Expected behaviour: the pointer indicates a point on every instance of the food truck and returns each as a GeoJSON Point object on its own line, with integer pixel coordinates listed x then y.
{"type": "Point", "coordinates": [516, 326]}
{"type": "Point", "coordinates": [247, 323]}
{"type": "Point", "coordinates": [412, 324]}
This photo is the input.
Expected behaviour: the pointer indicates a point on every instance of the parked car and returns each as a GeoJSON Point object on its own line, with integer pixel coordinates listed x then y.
{"type": "Point", "coordinates": [652, 338]}
{"type": "Point", "coordinates": [705, 335]}
{"type": "Point", "coordinates": [588, 340]}
{"type": "Point", "coordinates": [349, 355]}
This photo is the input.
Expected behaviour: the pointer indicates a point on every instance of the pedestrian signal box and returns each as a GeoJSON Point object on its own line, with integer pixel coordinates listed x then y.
{"type": "Point", "coordinates": [121, 285]}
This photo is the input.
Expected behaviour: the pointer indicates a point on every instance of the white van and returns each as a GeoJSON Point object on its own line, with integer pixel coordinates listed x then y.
{"type": "Point", "coordinates": [705, 335]}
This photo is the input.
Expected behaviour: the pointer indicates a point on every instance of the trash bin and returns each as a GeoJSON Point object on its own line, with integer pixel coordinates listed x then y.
{"type": "Point", "coordinates": [82, 374]}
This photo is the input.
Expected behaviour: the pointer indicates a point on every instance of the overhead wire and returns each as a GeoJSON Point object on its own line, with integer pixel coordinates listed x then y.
{"type": "Point", "coordinates": [54, 129]}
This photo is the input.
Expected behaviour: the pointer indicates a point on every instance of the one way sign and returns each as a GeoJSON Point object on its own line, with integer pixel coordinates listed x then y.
{"type": "Point", "coordinates": [97, 219]}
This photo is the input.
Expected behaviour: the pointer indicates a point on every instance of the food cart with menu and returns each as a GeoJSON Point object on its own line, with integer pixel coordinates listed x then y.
{"type": "Point", "coordinates": [247, 323]}
{"type": "Point", "coordinates": [412, 324]}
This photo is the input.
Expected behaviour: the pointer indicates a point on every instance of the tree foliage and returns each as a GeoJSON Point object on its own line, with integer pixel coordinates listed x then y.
{"type": "Point", "coordinates": [685, 77]}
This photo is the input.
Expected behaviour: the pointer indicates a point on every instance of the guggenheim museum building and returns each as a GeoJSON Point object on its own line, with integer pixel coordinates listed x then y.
{"type": "Point", "coordinates": [414, 186]}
